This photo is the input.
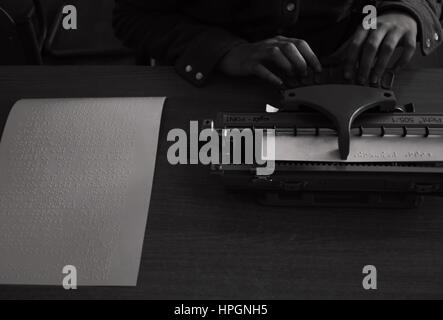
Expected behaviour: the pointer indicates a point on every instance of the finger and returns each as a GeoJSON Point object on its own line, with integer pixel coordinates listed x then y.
{"type": "Point", "coordinates": [387, 49]}
{"type": "Point", "coordinates": [354, 50]}
{"type": "Point", "coordinates": [296, 59]}
{"type": "Point", "coordinates": [409, 47]}
{"type": "Point", "coordinates": [275, 56]}
{"type": "Point", "coordinates": [309, 56]}
{"type": "Point", "coordinates": [369, 53]}
{"type": "Point", "coordinates": [300, 48]}
{"type": "Point", "coordinates": [262, 72]}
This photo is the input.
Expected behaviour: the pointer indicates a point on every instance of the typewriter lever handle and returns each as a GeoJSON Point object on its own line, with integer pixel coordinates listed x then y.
{"type": "Point", "coordinates": [342, 104]}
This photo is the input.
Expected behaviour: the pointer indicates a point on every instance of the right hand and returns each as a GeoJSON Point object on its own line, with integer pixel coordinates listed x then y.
{"type": "Point", "coordinates": [272, 60]}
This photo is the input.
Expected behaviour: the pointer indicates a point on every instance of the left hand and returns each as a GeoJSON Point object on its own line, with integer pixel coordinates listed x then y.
{"type": "Point", "coordinates": [370, 51]}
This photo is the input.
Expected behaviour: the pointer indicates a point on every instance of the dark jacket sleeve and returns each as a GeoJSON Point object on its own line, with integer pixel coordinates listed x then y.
{"type": "Point", "coordinates": [160, 30]}
{"type": "Point", "coordinates": [428, 14]}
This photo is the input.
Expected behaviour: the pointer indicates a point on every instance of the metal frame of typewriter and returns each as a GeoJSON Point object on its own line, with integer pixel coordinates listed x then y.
{"type": "Point", "coordinates": [316, 184]}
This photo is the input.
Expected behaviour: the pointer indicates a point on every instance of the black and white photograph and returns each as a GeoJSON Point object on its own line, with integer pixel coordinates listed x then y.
{"type": "Point", "coordinates": [221, 158]}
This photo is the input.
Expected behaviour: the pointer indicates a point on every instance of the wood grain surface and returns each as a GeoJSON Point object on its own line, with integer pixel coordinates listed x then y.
{"type": "Point", "coordinates": [205, 243]}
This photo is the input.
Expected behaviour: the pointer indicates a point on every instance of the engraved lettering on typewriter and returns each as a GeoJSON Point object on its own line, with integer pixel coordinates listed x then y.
{"type": "Point", "coordinates": [403, 120]}
{"type": "Point", "coordinates": [418, 155]}
{"type": "Point", "coordinates": [236, 119]}
{"type": "Point", "coordinates": [381, 155]}
{"type": "Point", "coordinates": [429, 120]}
{"type": "Point", "coordinates": [260, 119]}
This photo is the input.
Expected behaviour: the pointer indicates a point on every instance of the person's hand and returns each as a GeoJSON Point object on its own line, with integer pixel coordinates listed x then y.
{"type": "Point", "coordinates": [370, 51]}
{"type": "Point", "coordinates": [271, 60]}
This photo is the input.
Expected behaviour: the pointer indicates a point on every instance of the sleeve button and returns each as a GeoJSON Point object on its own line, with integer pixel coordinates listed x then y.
{"type": "Point", "coordinates": [428, 43]}
{"type": "Point", "coordinates": [290, 7]}
{"type": "Point", "coordinates": [199, 76]}
{"type": "Point", "coordinates": [188, 69]}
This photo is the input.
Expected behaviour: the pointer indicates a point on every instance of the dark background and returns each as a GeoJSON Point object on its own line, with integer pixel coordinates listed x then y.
{"type": "Point", "coordinates": [92, 44]}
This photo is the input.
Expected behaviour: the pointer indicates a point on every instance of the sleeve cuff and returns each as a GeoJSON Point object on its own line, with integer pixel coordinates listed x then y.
{"type": "Point", "coordinates": [201, 57]}
{"type": "Point", "coordinates": [430, 30]}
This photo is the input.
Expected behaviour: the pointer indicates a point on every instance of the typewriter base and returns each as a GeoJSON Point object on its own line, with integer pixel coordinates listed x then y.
{"type": "Point", "coordinates": [340, 200]}
{"type": "Point", "coordinates": [329, 185]}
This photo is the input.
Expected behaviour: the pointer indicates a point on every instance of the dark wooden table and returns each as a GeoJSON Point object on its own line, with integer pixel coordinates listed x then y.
{"type": "Point", "coordinates": [202, 242]}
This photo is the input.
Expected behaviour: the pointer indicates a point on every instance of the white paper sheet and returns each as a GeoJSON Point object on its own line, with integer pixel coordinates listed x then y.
{"type": "Point", "coordinates": [75, 185]}
{"type": "Point", "coordinates": [363, 149]}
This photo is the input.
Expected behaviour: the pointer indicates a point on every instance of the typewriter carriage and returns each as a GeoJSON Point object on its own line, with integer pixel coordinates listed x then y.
{"type": "Point", "coordinates": [317, 184]}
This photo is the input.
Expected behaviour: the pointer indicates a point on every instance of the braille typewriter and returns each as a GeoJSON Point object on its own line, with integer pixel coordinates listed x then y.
{"type": "Point", "coordinates": [340, 145]}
